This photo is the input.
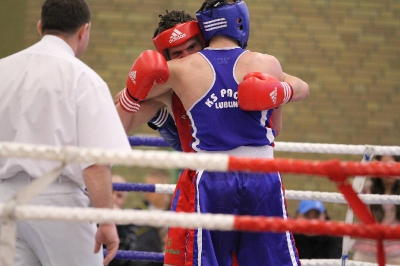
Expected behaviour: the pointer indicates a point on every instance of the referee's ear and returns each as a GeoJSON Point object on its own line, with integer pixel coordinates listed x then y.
{"type": "Point", "coordinates": [39, 27]}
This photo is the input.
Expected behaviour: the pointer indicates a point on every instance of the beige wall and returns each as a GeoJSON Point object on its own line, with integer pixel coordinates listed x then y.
{"type": "Point", "coordinates": [12, 26]}
{"type": "Point", "coordinates": [347, 51]}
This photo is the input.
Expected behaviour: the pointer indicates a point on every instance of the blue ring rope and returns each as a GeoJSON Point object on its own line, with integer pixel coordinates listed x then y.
{"type": "Point", "coordinates": [137, 255]}
{"type": "Point", "coordinates": [134, 187]}
{"type": "Point", "coordinates": [147, 141]}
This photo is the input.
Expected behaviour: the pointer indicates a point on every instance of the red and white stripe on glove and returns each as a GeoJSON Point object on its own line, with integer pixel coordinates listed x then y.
{"type": "Point", "coordinates": [128, 103]}
{"type": "Point", "coordinates": [259, 91]}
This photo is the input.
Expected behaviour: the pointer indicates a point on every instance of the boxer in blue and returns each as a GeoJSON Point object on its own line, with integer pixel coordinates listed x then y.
{"type": "Point", "coordinates": [229, 94]}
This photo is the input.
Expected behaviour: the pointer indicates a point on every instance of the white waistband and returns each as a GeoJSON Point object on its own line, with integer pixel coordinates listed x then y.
{"type": "Point", "coordinates": [62, 184]}
{"type": "Point", "coordinates": [248, 151]}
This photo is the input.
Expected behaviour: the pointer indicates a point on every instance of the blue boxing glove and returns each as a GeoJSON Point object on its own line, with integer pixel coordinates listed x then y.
{"type": "Point", "coordinates": [165, 124]}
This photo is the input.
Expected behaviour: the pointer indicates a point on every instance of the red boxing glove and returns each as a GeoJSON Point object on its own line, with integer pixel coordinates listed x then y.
{"type": "Point", "coordinates": [148, 68]}
{"type": "Point", "coordinates": [259, 91]}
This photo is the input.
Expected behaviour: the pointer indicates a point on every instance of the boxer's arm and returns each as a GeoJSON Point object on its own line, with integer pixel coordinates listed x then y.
{"type": "Point", "coordinates": [300, 91]}
{"type": "Point", "coordinates": [132, 121]}
{"type": "Point", "coordinates": [300, 88]}
{"type": "Point", "coordinates": [148, 110]}
{"type": "Point", "coordinates": [164, 123]}
{"type": "Point", "coordinates": [277, 120]}
{"type": "Point", "coordinates": [169, 85]}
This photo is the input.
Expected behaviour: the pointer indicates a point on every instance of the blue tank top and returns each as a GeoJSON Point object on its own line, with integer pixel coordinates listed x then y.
{"type": "Point", "coordinates": [218, 124]}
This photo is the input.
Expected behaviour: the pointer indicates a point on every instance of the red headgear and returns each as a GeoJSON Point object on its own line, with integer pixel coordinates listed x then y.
{"type": "Point", "coordinates": [177, 35]}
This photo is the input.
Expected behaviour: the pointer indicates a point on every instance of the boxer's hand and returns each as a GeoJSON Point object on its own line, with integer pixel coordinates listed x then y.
{"type": "Point", "coordinates": [259, 91]}
{"type": "Point", "coordinates": [165, 124]}
{"type": "Point", "coordinates": [148, 68]}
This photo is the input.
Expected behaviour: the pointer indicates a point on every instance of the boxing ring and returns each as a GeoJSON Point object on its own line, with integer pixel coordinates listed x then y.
{"type": "Point", "coordinates": [337, 171]}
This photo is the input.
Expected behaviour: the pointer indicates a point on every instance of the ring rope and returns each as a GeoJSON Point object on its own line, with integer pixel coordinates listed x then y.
{"type": "Point", "coordinates": [223, 222]}
{"type": "Point", "coordinates": [138, 255]}
{"type": "Point", "coordinates": [331, 197]}
{"type": "Point", "coordinates": [211, 162]}
{"type": "Point", "coordinates": [290, 146]}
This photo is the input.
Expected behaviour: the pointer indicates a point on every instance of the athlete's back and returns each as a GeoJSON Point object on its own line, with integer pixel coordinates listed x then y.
{"type": "Point", "coordinates": [192, 76]}
{"type": "Point", "coordinates": [218, 124]}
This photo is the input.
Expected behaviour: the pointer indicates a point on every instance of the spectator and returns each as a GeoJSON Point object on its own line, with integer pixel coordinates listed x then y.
{"type": "Point", "coordinates": [128, 240]}
{"type": "Point", "coordinates": [152, 238]}
{"type": "Point", "coordinates": [142, 238]}
{"type": "Point", "coordinates": [387, 214]}
{"type": "Point", "coordinates": [316, 246]}
{"type": "Point", "coordinates": [119, 197]}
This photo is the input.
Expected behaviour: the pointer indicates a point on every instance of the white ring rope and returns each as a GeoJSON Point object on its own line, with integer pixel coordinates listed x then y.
{"type": "Point", "coordinates": [175, 159]}
{"type": "Point", "coordinates": [335, 148]}
{"type": "Point", "coordinates": [338, 197]}
{"type": "Point", "coordinates": [164, 159]}
{"type": "Point", "coordinates": [140, 158]}
{"type": "Point", "coordinates": [154, 218]}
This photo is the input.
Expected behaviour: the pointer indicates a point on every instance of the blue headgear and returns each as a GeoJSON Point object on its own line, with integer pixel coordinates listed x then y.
{"type": "Point", "coordinates": [231, 20]}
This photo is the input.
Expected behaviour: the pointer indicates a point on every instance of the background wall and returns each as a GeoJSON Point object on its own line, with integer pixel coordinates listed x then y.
{"type": "Point", "coordinates": [347, 51]}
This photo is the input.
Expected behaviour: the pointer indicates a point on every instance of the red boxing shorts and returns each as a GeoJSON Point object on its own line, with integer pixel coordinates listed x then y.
{"type": "Point", "coordinates": [182, 201]}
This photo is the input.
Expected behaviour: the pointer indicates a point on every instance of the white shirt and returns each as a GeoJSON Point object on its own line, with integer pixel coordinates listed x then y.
{"type": "Point", "coordinates": [50, 97]}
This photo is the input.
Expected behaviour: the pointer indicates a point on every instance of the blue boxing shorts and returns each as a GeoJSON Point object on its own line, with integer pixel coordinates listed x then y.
{"type": "Point", "coordinates": [239, 193]}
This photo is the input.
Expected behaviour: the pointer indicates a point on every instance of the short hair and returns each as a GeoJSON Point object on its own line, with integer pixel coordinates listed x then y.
{"type": "Point", "coordinates": [64, 16]}
{"type": "Point", "coordinates": [170, 19]}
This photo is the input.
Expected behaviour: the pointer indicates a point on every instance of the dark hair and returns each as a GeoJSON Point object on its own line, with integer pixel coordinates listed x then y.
{"type": "Point", "coordinates": [395, 157]}
{"type": "Point", "coordinates": [170, 19]}
{"type": "Point", "coordinates": [377, 187]}
{"type": "Point", "coordinates": [64, 16]}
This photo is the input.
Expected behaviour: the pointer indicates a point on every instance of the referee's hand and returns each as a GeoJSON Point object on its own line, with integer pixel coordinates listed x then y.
{"type": "Point", "coordinates": [107, 234]}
